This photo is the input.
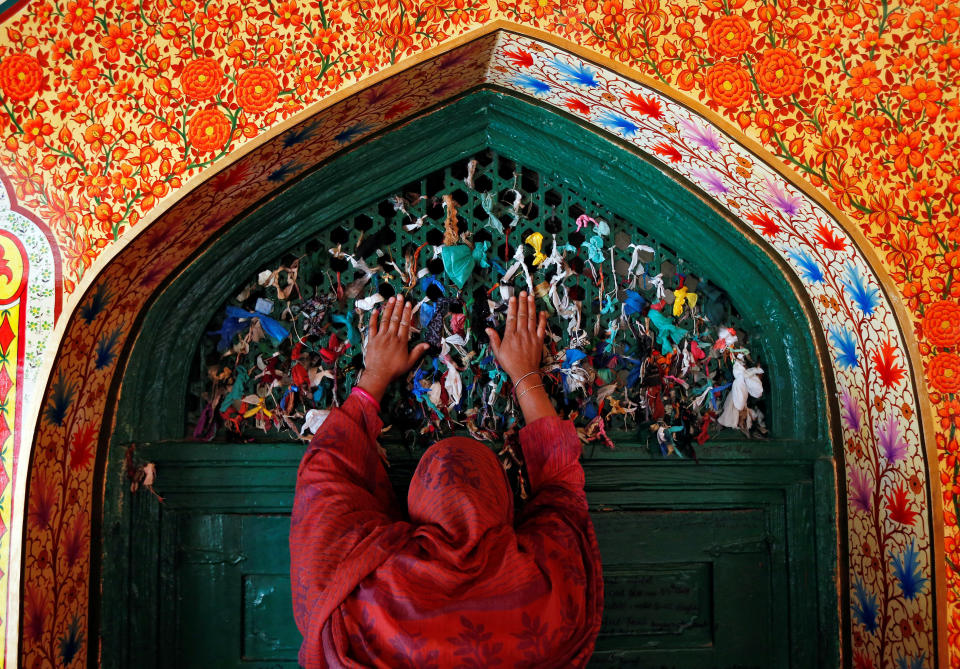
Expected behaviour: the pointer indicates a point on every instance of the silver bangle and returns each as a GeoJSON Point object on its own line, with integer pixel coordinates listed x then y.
{"type": "Point", "coordinates": [528, 390]}
{"type": "Point", "coordinates": [517, 384]}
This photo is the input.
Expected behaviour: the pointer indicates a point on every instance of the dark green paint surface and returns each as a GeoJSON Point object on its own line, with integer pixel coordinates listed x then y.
{"type": "Point", "coordinates": [729, 562]}
{"type": "Point", "coordinates": [704, 565]}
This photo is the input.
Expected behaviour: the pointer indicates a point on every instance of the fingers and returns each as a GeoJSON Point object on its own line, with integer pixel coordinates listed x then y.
{"type": "Point", "coordinates": [511, 316]}
{"type": "Point", "coordinates": [405, 315]}
{"type": "Point", "coordinates": [396, 315]}
{"type": "Point", "coordinates": [415, 354]}
{"type": "Point", "coordinates": [494, 342]}
{"type": "Point", "coordinates": [542, 326]}
{"type": "Point", "coordinates": [374, 324]}
{"type": "Point", "coordinates": [523, 305]}
{"type": "Point", "coordinates": [531, 324]}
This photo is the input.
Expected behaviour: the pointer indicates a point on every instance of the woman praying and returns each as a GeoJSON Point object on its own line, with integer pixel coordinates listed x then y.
{"type": "Point", "coordinates": [459, 581]}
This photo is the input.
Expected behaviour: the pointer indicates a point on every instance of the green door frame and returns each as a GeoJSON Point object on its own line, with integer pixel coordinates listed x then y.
{"type": "Point", "coordinates": [803, 436]}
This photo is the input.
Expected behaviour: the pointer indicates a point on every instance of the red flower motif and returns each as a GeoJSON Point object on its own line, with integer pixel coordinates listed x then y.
{"type": "Point", "coordinates": [768, 227]}
{"type": "Point", "coordinates": [79, 15]}
{"type": "Point", "coordinates": [944, 372]}
{"type": "Point", "coordinates": [396, 35]}
{"type": "Point", "coordinates": [923, 96]}
{"type": "Point", "coordinates": [866, 131]}
{"type": "Point", "coordinates": [864, 81]}
{"type": "Point", "coordinates": [20, 76]}
{"type": "Point", "coordinates": [730, 36]}
{"type": "Point", "coordinates": [257, 90]}
{"type": "Point", "coordinates": [201, 79]}
{"type": "Point", "coordinates": [779, 73]}
{"type": "Point", "coordinates": [209, 130]}
{"type": "Point", "coordinates": [118, 40]}
{"type": "Point", "coordinates": [36, 130]}
{"type": "Point", "coordinates": [906, 150]}
{"type": "Point", "coordinates": [325, 41]}
{"type": "Point", "coordinates": [289, 14]}
{"type": "Point", "coordinates": [727, 84]}
{"type": "Point", "coordinates": [85, 71]}
{"type": "Point", "coordinates": [576, 105]}
{"type": "Point", "coordinates": [941, 323]}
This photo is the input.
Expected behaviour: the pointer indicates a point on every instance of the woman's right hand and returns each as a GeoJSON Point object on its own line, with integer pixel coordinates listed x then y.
{"type": "Point", "coordinates": [520, 350]}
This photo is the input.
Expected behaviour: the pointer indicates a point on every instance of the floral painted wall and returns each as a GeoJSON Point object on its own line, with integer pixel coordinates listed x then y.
{"type": "Point", "coordinates": [111, 108]}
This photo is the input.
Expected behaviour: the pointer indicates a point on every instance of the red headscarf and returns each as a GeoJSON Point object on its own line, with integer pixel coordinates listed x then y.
{"type": "Point", "coordinates": [462, 582]}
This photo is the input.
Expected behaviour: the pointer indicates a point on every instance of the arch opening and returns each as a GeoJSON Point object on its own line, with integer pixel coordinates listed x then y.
{"type": "Point", "coordinates": [778, 485]}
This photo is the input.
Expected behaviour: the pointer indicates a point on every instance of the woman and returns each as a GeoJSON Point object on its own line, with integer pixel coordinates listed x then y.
{"type": "Point", "coordinates": [459, 582]}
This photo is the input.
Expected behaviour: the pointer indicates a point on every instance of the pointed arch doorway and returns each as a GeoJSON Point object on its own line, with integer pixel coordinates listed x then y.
{"type": "Point", "coordinates": [729, 562]}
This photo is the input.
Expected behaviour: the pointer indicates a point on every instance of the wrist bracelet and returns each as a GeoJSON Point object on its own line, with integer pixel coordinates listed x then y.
{"type": "Point", "coordinates": [367, 396]}
{"type": "Point", "coordinates": [517, 384]}
{"type": "Point", "coordinates": [528, 390]}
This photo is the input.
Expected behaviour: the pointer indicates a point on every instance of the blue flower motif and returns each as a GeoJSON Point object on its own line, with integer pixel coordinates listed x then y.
{"type": "Point", "coordinates": [297, 135]}
{"type": "Point", "coordinates": [105, 352]}
{"type": "Point", "coordinates": [865, 296]}
{"type": "Point", "coordinates": [865, 606]}
{"type": "Point", "coordinates": [283, 172]}
{"type": "Point", "coordinates": [906, 662]}
{"type": "Point", "coordinates": [843, 340]}
{"type": "Point", "coordinates": [907, 571]}
{"type": "Point", "coordinates": [352, 133]}
{"type": "Point", "coordinates": [534, 84]}
{"type": "Point", "coordinates": [576, 74]}
{"type": "Point", "coordinates": [614, 122]}
{"type": "Point", "coordinates": [98, 302]}
{"type": "Point", "coordinates": [808, 266]}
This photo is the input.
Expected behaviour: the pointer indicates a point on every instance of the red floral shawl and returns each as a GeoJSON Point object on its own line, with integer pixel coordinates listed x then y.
{"type": "Point", "coordinates": [461, 583]}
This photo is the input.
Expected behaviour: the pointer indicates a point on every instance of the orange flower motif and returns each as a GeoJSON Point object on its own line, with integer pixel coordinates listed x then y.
{"type": "Point", "coordinates": [944, 22]}
{"type": "Point", "coordinates": [941, 323]}
{"type": "Point", "coordinates": [332, 80]}
{"type": "Point", "coordinates": [289, 14]}
{"type": "Point", "coordinates": [613, 13]}
{"type": "Point", "coordinates": [944, 372]}
{"type": "Point", "coordinates": [866, 131]}
{"type": "Point", "coordinates": [79, 15]}
{"type": "Point", "coordinates": [830, 149]}
{"type": "Point", "coordinates": [727, 84]}
{"type": "Point", "coordinates": [85, 71]}
{"type": "Point", "coordinates": [779, 73]}
{"type": "Point", "coordinates": [20, 76]}
{"type": "Point", "coordinates": [117, 40]}
{"type": "Point", "coordinates": [864, 81]}
{"type": "Point", "coordinates": [885, 212]}
{"type": "Point", "coordinates": [396, 35]}
{"type": "Point", "coordinates": [36, 130]}
{"type": "Point", "coordinates": [209, 130]}
{"type": "Point", "coordinates": [459, 13]}
{"type": "Point", "coordinates": [923, 96]}
{"type": "Point", "coordinates": [433, 10]}
{"type": "Point", "coordinates": [201, 79]}
{"type": "Point", "coordinates": [872, 40]}
{"type": "Point", "coordinates": [325, 41]}
{"type": "Point", "coordinates": [906, 150]}
{"type": "Point", "coordinates": [257, 89]}
{"type": "Point", "coordinates": [730, 36]}
{"type": "Point", "coordinates": [647, 14]}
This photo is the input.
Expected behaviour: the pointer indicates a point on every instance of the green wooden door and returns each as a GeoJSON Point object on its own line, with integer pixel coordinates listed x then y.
{"type": "Point", "coordinates": [729, 562]}
{"type": "Point", "coordinates": [704, 565]}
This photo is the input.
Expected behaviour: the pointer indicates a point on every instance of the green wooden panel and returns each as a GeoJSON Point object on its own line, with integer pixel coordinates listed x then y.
{"type": "Point", "coordinates": [696, 560]}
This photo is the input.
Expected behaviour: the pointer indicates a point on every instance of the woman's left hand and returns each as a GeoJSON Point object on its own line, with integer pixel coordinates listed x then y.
{"type": "Point", "coordinates": [388, 356]}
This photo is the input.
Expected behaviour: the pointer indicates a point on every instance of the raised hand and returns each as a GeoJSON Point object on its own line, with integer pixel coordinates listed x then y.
{"type": "Point", "coordinates": [520, 350]}
{"type": "Point", "coordinates": [388, 356]}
